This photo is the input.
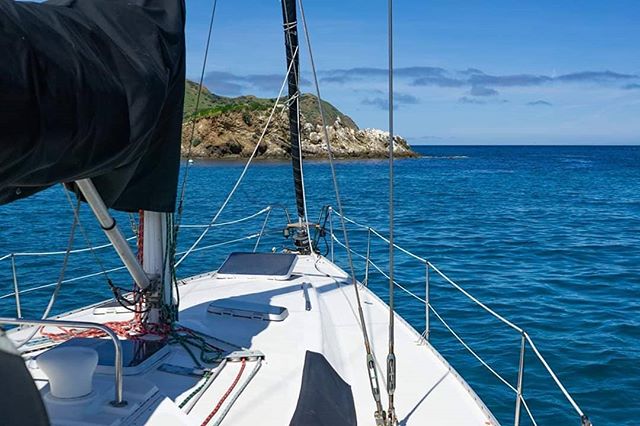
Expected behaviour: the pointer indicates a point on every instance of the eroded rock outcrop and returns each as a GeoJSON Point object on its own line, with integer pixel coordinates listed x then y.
{"type": "Point", "coordinates": [234, 134]}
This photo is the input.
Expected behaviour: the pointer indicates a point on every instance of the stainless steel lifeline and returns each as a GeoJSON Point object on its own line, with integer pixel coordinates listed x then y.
{"type": "Point", "coordinates": [525, 339]}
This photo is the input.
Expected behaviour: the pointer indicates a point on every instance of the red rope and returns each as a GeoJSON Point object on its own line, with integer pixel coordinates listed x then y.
{"type": "Point", "coordinates": [132, 329]}
{"type": "Point", "coordinates": [225, 396]}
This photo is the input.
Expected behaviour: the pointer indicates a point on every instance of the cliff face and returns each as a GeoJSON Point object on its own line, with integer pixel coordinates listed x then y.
{"type": "Point", "coordinates": [231, 127]}
{"type": "Point", "coordinates": [235, 134]}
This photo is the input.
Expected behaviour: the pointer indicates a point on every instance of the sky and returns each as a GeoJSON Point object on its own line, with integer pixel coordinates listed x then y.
{"type": "Point", "coordinates": [466, 72]}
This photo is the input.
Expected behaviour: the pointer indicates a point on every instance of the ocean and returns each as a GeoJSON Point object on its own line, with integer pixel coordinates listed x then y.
{"type": "Point", "coordinates": [548, 237]}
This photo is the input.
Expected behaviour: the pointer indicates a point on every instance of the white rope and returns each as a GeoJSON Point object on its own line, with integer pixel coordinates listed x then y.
{"type": "Point", "coordinates": [479, 303]}
{"type": "Point", "coordinates": [53, 253]}
{"type": "Point", "coordinates": [383, 238]}
{"type": "Point", "coordinates": [407, 252]}
{"type": "Point", "coordinates": [29, 290]}
{"type": "Point", "coordinates": [262, 229]}
{"type": "Point", "coordinates": [244, 171]}
{"type": "Point", "coordinates": [231, 222]}
{"type": "Point", "coordinates": [526, 407]}
{"type": "Point", "coordinates": [397, 284]}
{"type": "Point", "coordinates": [248, 237]}
{"type": "Point", "coordinates": [352, 221]}
{"type": "Point", "coordinates": [472, 351]}
{"type": "Point", "coordinates": [482, 305]}
{"type": "Point", "coordinates": [440, 318]}
{"type": "Point", "coordinates": [456, 286]}
{"type": "Point", "coordinates": [345, 247]}
{"type": "Point", "coordinates": [553, 376]}
{"type": "Point", "coordinates": [376, 267]}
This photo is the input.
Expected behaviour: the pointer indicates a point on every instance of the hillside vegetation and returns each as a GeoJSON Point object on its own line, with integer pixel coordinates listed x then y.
{"type": "Point", "coordinates": [228, 127]}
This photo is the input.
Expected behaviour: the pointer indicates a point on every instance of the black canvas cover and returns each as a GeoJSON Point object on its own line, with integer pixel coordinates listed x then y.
{"type": "Point", "coordinates": [325, 399]}
{"type": "Point", "coordinates": [92, 89]}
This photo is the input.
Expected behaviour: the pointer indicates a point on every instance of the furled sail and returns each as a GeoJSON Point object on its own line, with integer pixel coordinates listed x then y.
{"type": "Point", "coordinates": [92, 89]}
{"type": "Point", "coordinates": [291, 46]}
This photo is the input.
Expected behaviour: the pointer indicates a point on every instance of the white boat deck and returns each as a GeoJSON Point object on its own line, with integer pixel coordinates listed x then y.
{"type": "Point", "coordinates": [429, 391]}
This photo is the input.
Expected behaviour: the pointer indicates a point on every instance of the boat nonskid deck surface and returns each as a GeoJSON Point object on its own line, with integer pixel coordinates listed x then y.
{"type": "Point", "coordinates": [258, 378]}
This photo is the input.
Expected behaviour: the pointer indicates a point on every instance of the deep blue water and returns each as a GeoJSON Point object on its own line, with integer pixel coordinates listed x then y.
{"type": "Point", "coordinates": [549, 237]}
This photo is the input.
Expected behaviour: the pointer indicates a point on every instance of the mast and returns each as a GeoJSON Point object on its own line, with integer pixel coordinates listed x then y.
{"type": "Point", "coordinates": [293, 63]}
{"type": "Point", "coordinates": [156, 258]}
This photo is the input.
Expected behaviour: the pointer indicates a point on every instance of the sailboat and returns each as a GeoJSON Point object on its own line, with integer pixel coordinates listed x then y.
{"type": "Point", "coordinates": [268, 338]}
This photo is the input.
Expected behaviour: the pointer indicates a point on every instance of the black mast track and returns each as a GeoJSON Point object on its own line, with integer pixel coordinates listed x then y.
{"type": "Point", "coordinates": [291, 46]}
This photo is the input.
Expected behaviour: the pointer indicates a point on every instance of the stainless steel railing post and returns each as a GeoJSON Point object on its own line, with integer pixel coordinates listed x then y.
{"type": "Point", "coordinates": [16, 290]}
{"type": "Point", "coordinates": [516, 420]}
{"type": "Point", "coordinates": [427, 326]}
{"type": "Point", "coordinates": [366, 266]}
{"type": "Point", "coordinates": [118, 402]}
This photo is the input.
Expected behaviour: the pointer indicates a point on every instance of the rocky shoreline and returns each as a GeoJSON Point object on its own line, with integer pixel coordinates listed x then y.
{"type": "Point", "coordinates": [233, 135]}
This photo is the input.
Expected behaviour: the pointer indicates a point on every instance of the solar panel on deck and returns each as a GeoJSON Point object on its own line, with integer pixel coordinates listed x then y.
{"type": "Point", "coordinates": [276, 266]}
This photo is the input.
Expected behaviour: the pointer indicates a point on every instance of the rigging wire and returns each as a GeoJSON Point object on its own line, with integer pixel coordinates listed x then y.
{"type": "Point", "coordinates": [194, 114]}
{"type": "Point", "coordinates": [242, 174]}
{"type": "Point", "coordinates": [373, 375]}
{"type": "Point", "coordinates": [63, 269]}
{"type": "Point", "coordinates": [391, 357]}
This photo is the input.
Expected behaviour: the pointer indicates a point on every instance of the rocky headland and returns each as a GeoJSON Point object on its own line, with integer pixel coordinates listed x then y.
{"type": "Point", "coordinates": [229, 128]}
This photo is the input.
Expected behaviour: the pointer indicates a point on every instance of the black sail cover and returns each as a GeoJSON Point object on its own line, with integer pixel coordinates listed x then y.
{"type": "Point", "coordinates": [92, 89]}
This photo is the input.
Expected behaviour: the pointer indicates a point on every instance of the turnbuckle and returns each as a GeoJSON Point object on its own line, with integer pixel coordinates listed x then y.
{"type": "Point", "coordinates": [391, 388]}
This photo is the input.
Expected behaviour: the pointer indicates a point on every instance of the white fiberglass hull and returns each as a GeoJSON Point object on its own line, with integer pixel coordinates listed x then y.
{"type": "Point", "coordinates": [322, 318]}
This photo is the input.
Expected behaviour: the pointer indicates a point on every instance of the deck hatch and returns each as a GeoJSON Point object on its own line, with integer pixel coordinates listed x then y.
{"type": "Point", "coordinates": [239, 308]}
{"type": "Point", "coordinates": [275, 266]}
